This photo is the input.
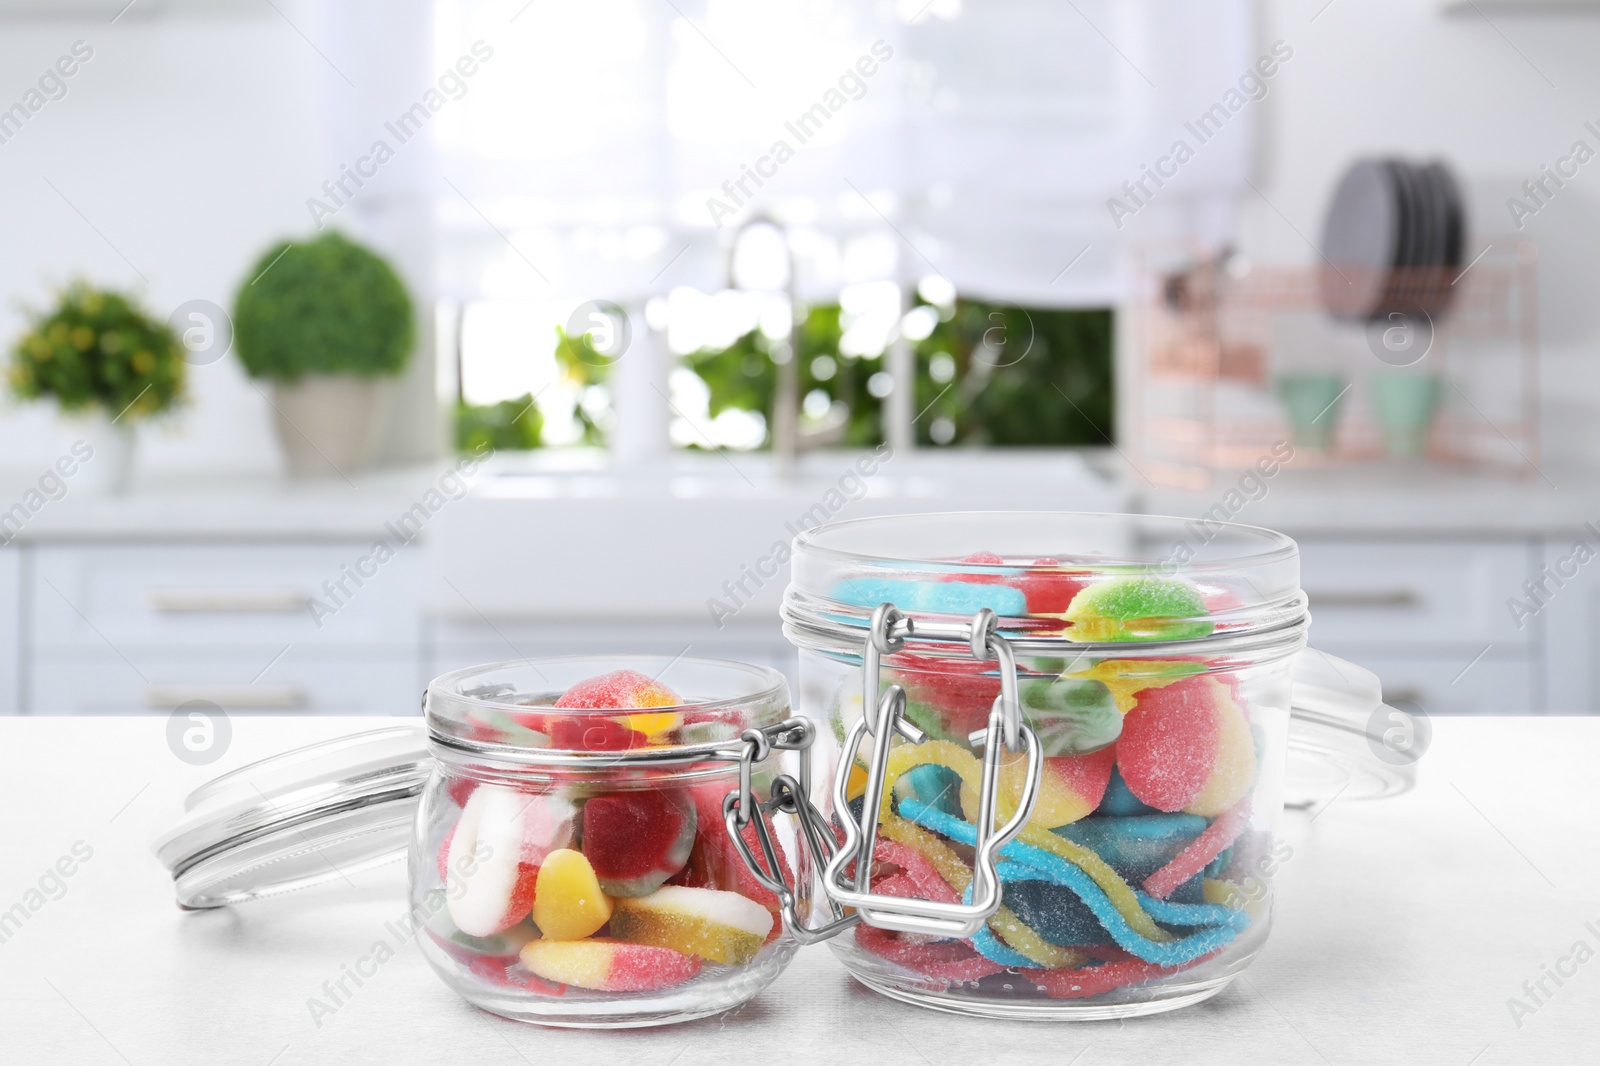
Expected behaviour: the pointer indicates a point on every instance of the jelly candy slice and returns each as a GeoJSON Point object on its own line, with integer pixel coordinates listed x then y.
{"type": "Point", "coordinates": [635, 841]}
{"type": "Point", "coordinates": [569, 904]}
{"type": "Point", "coordinates": [722, 927]}
{"type": "Point", "coordinates": [607, 965]}
{"type": "Point", "coordinates": [618, 690]}
{"type": "Point", "coordinates": [494, 851]}
{"type": "Point", "coordinates": [1137, 608]}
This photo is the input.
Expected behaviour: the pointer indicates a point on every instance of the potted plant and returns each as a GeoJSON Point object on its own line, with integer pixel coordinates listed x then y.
{"type": "Point", "coordinates": [324, 320]}
{"type": "Point", "coordinates": [98, 353]}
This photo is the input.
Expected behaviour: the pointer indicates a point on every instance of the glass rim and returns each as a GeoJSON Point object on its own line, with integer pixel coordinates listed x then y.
{"type": "Point", "coordinates": [775, 684]}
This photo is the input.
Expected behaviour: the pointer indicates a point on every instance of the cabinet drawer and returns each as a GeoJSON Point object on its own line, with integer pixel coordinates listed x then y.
{"type": "Point", "coordinates": [1445, 684]}
{"type": "Point", "coordinates": [85, 597]}
{"type": "Point", "coordinates": [1376, 594]}
{"type": "Point", "coordinates": [10, 628]}
{"type": "Point", "coordinates": [104, 684]}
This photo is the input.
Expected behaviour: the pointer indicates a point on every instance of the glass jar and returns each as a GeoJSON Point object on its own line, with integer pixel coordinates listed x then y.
{"type": "Point", "coordinates": [580, 853]}
{"type": "Point", "coordinates": [575, 866]}
{"type": "Point", "coordinates": [1057, 744]}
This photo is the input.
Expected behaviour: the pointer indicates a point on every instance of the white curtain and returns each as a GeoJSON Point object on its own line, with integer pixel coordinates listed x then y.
{"type": "Point", "coordinates": [600, 152]}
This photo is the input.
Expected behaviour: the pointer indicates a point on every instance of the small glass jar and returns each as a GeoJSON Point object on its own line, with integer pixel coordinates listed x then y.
{"type": "Point", "coordinates": [575, 866]}
{"type": "Point", "coordinates": [568, 866]}
{"type": "Point", "coordinates": [1057, 745]}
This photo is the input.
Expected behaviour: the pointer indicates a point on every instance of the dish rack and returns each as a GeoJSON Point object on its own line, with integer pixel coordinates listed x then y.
{"type": "Point", "coordinates": [1210, 334]}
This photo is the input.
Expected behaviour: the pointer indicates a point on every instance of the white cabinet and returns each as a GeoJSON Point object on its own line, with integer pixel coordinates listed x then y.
{"type": "Point", "coordinates": [11, 624]}
{"type": "Point", "coordinates": [1567, 610]}
{"type": "Point", "coordinates": [1429, 617]}
{"type": "Point", "coordinates": [303, 628]}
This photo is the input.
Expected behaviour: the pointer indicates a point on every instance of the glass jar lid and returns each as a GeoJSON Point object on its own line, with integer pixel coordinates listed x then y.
{"type": "Point", "coordinates": [308, 816]}
{"type": "Point", "coordinates": [1118, 585]}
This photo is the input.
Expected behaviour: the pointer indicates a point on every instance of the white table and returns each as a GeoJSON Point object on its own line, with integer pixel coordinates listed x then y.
{"type": "Point", "coordinates": [1403, 927]}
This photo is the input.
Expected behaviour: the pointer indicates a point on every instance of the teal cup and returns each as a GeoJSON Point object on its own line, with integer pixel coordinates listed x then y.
{"type": "Point", "coordinates": [1405, 405]}
{"type": "Point", "coordinates": [1312, 402]}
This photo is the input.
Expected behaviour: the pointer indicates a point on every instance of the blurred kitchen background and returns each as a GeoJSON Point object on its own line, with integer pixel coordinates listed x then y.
{"type": "Point", "coordinates": [588, 307]}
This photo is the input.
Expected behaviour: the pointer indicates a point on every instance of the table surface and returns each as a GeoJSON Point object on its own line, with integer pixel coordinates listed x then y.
{"type": "Point", "coordinates": [1404, 929]}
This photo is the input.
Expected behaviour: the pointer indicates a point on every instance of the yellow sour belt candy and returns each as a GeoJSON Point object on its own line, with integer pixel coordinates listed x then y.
{"type": "Point", "coordinates": [966, 766]}
{"type": "Point", "coordinates": [1005, 923]}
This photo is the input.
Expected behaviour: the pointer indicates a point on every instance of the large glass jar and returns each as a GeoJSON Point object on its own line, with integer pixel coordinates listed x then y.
{"type": "Point", "coordinates": [573, 864]}
{"type": "Point", "coordinates": [1061, 740]}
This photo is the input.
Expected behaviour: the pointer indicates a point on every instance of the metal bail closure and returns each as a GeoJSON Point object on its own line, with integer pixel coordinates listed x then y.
{"type": "Point", "coordinates": [1006, 732]}
{"type": "Point", "coordinates": [740, 810]}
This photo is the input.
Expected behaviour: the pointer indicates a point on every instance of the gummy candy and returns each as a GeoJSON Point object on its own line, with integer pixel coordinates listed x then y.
{"type": "Point", "coordinates": [1071, 716]}
{"type": "Point", "coordinates": [1070, 786]}
{"type": "Point", "coordinates": [607, 965]}
{"type": "Point", "coordinates": [722, 927]}
{"type": "Point", "coordinates": [494, 854]}
{"type": "Point", "coordinates": [963, 763]}
{"type": "Point", "coordinates": [951, 960]}
{"type": "Point", "coordinates": [1166, 951]}
{"type": "Point", "coordinates": [636, 840]}
{"type": "Point", "coordinates": [569, 904]}
{"type": "Point", "coordinates": [1194, 858]}
{"type": "Point", "coordinates": [960, 597]}
{"type": "Point", "coordinates": [714, 861]}
{"type": "Point", "coordinates": [1137, 608]}
{"type": "Point", "coordinates": [618, 690]}
{"type": "Point", "coordinates": [1118, 801]}
{"type": "Point", "coordinates": [1126, 678]}
{"type": "Point", "coordinates": [1187, 746]}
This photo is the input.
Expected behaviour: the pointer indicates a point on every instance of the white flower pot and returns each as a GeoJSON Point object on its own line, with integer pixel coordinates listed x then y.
{"type": "Point", "coordinates": [109, 469]}
{"type": "Point", "coordinates": [328, 424]}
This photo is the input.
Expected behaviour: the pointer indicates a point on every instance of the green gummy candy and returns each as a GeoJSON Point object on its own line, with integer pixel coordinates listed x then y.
{"type": "Point", "coordinates": [1071, 716]}
{"type": "Point", "coordinates": [1138, 608]}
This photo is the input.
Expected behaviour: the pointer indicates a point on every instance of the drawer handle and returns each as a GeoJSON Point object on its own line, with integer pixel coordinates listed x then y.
{"type": "Point", "coordinates": [253, 697]}
{"type": "Point", "coordinates": [228, 601]}
{"type": "Point", "coordinates": [1404, 695]}
{"type": "Point", "coordinates": [1396, 600]}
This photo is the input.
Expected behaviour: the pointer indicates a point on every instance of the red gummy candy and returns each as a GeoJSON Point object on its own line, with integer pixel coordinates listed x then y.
{"type": "Point", "coordinates": [636, 840]}
{"type": "Point", "coordinates": [715, 861]}
{"type": "Point", "coordinates": [1201, 850]}
{"type": "Point", "coordinates": [443, 858]}
{"type": "Point", "coordinates": [618, 690]}
{"type": "Point", "coordinates": [952, 960]}
{"type": "Point", "coordinates": [460, 790]}
{"type": "Point", "coordinates": [919, 879]}
{"type": "Point", "coordinates": [962, 690]}
{"type": "Point", "coordinates": [1169, 743]}
{"type": "Point", "coordinates": [1051, 591]}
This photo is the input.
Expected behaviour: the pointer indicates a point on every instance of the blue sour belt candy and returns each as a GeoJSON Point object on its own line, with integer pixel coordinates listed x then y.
{"type": "Point", "coordinates": [1031, 863]}
{"type": "Point", "coordinates": [932, 597]}
{"type": "Point", "coordinates": [1136, 847]}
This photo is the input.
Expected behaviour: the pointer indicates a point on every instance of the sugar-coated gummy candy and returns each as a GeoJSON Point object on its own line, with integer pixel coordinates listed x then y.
{"type": "Point", "coordinates": [618, 690]}
{"type": "Point", "coordinates": [608, 965]}
{"type": "Point", "coordinates": [1137, 608]}
{"type": "Point", "coordinates": [1137, 847]}
{"type": "Point", "coordinates": [495, 849]}
{"type": "Point", "coordinates": [714, 860]}
{"type": "Point", "coordinates": [569, 903]}
{"type": "Point", "coordinates": [1187, 746]}
{"type": "Point", "coordinates": [1169, 744]}
{"type": "Point", "coordinates": [1071, 716]}
{"type": "Point", "coordinates": [950, 961]}
{"type": "Point", "coordinates": [636, 840]}
{"type": "Point", "coordinates": [502, 945]}
{"type": "Point", "coordinates": [937, 786]}
{"type": "Point", "coordinates": [722, 927]}
{"type": "Point", "coordinates": [932, 597]}
{"type": "Point", "coordinates": [1070, 786]}
{"type": "Point", "coordinates": [1198, 854]}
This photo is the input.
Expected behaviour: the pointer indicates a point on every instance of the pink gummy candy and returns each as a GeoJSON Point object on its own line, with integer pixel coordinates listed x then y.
{"type": "Point", "coordinates": [1201, 850]}
{"type": "Point", "coordinates": [952, 960]}
{"type": "Point", "coordinates": [1168, 744]}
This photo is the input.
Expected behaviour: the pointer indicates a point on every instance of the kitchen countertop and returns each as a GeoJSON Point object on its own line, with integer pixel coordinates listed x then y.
{"type": "Point", "coordinates": [1365, 500]}
{"type": "Point", "coordinates": [1403, 927]}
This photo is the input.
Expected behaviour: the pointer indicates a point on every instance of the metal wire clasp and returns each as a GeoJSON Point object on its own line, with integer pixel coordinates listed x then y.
{"type": "Point", "coordinates": [883, 716]}
{"type": "Point", "coordinates": [741, 809]}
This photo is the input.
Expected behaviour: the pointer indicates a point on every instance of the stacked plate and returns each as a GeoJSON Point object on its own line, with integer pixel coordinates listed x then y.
{"type": "Point", "coordinates": [1392, 241]}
